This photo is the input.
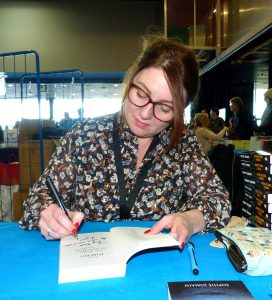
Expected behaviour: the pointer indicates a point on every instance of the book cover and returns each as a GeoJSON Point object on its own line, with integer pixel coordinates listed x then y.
{"type": "Point", "coordinates": [261, 222]}
{"type": "Point", "coordinates": [206, 290]}
{"type": "Point", "coordinates": [263, 168]}
{"type": "Point", "coordinates": [263, 206]}
{"type": "Point", "coordinates": [101, 255]}
{"type": "Point", "coordinates": [263, 157]}
{"type": "Point", "coordinates": [264, 195]}
{"type": "Point", "coordinates": [259, 156]}
{"type": "Point", "coordinates": [264, 177]}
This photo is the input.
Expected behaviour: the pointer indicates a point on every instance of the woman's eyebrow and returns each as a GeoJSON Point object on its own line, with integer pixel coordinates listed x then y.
{"type": "Point", "coordinates": [142, 85]}
{"type": "Point", "coordinates": [146, 89]}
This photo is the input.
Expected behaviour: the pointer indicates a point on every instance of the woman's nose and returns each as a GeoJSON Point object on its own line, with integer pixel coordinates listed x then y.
{"type": "Point", "coordinates": [147, 111]}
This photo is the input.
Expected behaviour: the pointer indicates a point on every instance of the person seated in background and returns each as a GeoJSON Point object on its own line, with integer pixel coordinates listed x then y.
{"type": "Point", "coordinates": [138, 164]}
{"type": "Point", "coordinates": [241, 121]}
{"type": "Point", "coordinates": [80, 117]}
{"type": "Point", "coordinates": [265, 127]}
{"type": "Point", "coordinates": [66, 123]}
{"type": "Point", "coordinates": [216, 123]}
{"type": "Point", "coordinates": [204, 135]}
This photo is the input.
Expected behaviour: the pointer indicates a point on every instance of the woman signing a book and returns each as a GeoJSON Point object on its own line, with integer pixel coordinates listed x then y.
{"type": "Point", "coordinates": [138, 164]}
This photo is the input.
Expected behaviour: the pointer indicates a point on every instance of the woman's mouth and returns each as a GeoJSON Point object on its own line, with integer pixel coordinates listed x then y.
{"type": "Point", "coordinates": [140, 124]}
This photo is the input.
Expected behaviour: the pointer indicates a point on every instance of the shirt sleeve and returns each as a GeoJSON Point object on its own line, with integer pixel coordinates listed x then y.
{"type": "Point", "coordinates": [205, 191]}
{"type": "Point", "coordinates": [62, 168]}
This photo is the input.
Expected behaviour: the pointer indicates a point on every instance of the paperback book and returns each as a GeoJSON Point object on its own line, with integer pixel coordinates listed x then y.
{"type": "Point", "coordinates": [206, 290]}
{"type": "Point", "coordinates": [101, 255]}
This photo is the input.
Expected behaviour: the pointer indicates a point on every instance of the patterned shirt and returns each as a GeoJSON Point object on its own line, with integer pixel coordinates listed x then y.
{"type": "Point", "coordinates": [84, 172]}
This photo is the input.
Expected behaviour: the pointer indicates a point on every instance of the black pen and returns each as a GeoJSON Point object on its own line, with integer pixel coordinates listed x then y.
{"type": "Point", "coordinates": [191, 250]}
{"type": "Point", "coordinates": [57, 197]}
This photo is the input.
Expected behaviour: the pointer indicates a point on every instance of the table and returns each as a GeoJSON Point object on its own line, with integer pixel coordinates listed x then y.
{"type": "Point", "coordinates": [29, 269]}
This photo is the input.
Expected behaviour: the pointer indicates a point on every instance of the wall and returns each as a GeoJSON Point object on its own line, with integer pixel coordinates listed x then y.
{"type": "Point", "coordinates": [245, 16]}
{"type": "Point", "coordinates": [94, 36]}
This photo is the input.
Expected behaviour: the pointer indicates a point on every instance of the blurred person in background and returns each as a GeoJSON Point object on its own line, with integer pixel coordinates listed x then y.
{"type": "Point", "coordinates": [265, 127]}
{"type": "Point", "coordinates": [204, 135]}
{"type": "Point", "coordinates": [216, 123]}
{"type": "Point", "coordinates": [241, 121]}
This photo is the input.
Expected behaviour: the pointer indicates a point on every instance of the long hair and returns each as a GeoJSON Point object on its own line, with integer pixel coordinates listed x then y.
{"type": "Point", "coordinates": [181, 71]}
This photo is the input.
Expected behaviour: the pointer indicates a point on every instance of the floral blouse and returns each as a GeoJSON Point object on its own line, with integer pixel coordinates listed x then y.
{"type": "Point", "coordinates": [83, 169]}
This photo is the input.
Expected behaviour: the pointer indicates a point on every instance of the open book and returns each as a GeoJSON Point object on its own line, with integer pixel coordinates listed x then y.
{"type": "Point", "coordinates": [105, 254]}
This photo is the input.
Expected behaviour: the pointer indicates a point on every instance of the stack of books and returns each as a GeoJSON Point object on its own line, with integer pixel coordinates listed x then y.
{"type": "Point", "coordinates": [256, 168]}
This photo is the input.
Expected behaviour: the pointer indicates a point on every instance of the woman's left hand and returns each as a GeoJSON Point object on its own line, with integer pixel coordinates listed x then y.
{"type": "Point", "coordinates": [182, 225]}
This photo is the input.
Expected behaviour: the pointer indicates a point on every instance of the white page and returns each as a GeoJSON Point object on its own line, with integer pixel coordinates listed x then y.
{"type": "Point", "coordinates": [130, 240]}
{"type": "Point", "coordinates": [89, 256]}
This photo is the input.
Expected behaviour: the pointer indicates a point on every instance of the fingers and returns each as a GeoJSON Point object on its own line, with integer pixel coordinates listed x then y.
{"type": "Point", "coordinates": [164, 223]}
{"type": "Point", "coordinates": [77, 217]}
{"type": "Point", "coordinates": [179, 227]}
{"type": "Point", "coordinates": [54, 224]}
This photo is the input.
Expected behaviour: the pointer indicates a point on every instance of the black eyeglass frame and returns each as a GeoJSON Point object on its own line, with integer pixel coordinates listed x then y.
{"type": "Point", "coordinates": [154, 103]}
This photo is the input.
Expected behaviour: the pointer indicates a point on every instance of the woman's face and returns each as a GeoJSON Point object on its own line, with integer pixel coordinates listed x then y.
{"type": "Point", "coordinates": [141, 120]}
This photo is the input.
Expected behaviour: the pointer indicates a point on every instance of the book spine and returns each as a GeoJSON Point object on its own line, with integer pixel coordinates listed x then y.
{"type": "Point", "coordinates": [249, 205]}
{"type": "Point", "coordinates": [259, 167]}
{"type": "Point", "coordinates": [264, 177]}
{"type": "Point", "coordinates": [264, 195]}
{"type": "Point", "coordinates": [248, 172]}
{"type": "Point", "coordinates": [249, 188]}
{"type": "Point", "coordinates": [262, 158]}
{"type": "Point", "coordinates": [247, 213]}
{"type": "Point", "coordinates": [263, 213]}
{"type": "Point", "coordinates": [249, 196]}
{"type": "Point", "coordinates": [261, 222]}
{"type": "Point", "coordinates": [250, 181]}
{"type": "Point", "coordinates": [246, 165]}
{"type": "Point", "coordinates": [256, 156]}
{"type": "Point", "coordinates": [247, 156]}
{"type": "Point", "coordinates": [266, 207]}
{"type": "Point", "coordinates": [266, 185]}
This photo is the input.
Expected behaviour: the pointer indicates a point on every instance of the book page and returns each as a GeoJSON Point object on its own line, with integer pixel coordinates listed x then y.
{"type": "Point", "coordinates": [129, 240]}
{"type": "Point", "coordinates": [105, 254]}
{"type": "Point", "coordinates": [89, 256]}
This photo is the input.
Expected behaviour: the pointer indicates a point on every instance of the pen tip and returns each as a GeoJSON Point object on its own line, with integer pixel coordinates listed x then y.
{"type": "Point", "coordinates": [196, 272]}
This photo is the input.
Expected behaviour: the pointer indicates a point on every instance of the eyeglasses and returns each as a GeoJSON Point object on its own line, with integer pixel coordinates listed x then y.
{"type": "Point", "coordinates": [138, 97]}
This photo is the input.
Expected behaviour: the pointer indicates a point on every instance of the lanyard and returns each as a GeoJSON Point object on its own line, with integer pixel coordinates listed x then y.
{"type": "Point", "coordinates": [127, 201]}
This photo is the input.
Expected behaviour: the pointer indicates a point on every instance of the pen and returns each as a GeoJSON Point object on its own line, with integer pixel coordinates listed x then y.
{"type": "Point", "coordinates": [191, 250]}
{"type": "Point", "coordinates": [57, 197]}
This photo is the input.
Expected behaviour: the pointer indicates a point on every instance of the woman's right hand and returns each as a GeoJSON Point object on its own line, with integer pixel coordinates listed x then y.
{"type": "Point", "coordinates": [54, 224]}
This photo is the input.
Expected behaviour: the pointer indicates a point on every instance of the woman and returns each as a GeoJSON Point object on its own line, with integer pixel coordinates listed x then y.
{"type": "Point", "coordinates": [204, 135]}
{"type": "Point", "coordinates": [138, 165]}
